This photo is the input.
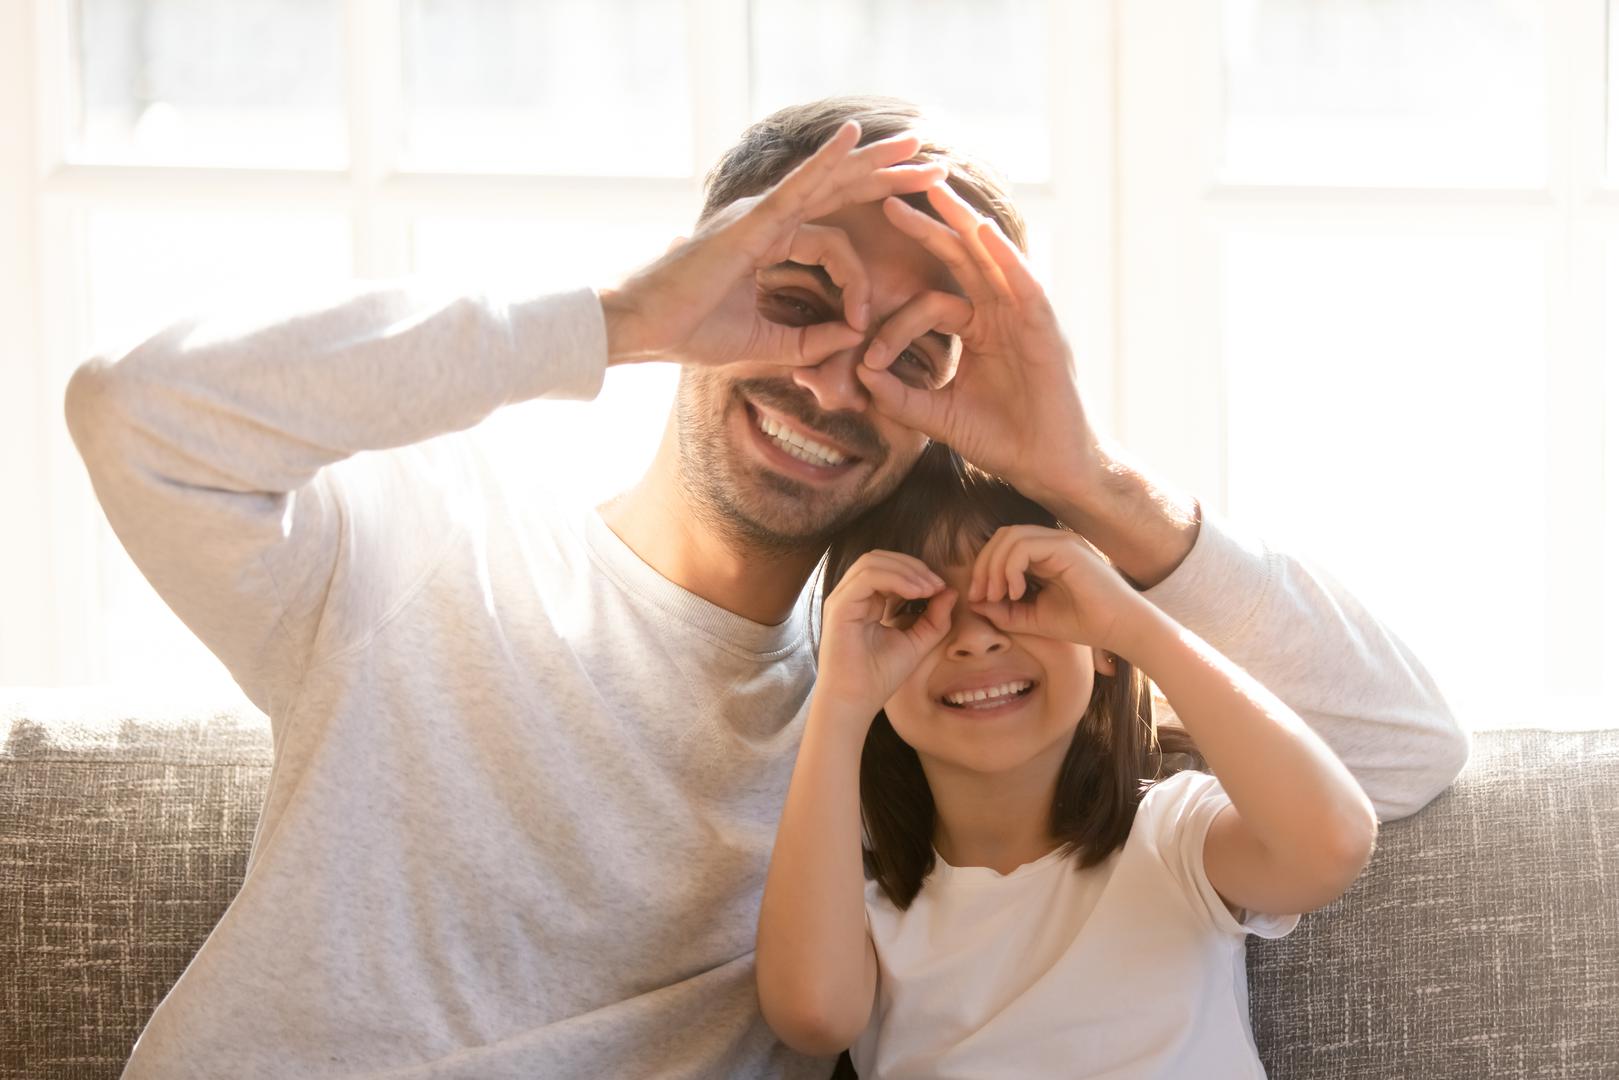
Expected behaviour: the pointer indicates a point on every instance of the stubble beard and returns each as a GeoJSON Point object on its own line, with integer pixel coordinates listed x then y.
{"type": "Point", "coordinates": [753, 508]}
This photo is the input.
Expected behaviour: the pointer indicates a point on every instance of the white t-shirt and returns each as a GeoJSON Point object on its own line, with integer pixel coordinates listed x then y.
{"type": "Point", "coordinates": [1130, 968]}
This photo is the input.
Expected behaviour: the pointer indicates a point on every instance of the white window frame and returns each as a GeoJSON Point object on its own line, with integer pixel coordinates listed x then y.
{"type": "Point", "coordinates": [1172, 209]}
{"type": "Point", "coordinates": [49, 557]}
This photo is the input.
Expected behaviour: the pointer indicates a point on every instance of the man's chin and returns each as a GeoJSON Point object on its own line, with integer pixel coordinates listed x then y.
{"type": "Point", "coordinates": [779, 512]}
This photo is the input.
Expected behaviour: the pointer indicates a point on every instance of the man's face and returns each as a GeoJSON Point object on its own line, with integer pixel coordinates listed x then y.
{"type": "Point", "coordinates": [784, 456]}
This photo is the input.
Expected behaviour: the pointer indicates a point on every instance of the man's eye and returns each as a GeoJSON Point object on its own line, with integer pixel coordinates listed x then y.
{"type": "Point", "coordinates": [797, 308]}
{"type": "Point", "coordinates": [914, 368]}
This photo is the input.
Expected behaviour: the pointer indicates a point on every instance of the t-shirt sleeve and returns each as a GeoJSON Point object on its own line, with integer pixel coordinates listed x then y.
{"type": "Point", "coordinates": [1175, 816]}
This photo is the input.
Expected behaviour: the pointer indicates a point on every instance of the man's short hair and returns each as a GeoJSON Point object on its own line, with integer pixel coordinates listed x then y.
{"type": "Point", "coordinates": [770, 148]}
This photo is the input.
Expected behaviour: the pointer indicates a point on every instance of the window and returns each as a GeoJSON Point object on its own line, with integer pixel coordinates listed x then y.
{"type": "Point", "coordinates": [178, 153]}
{"type": "Point", "coordinates": [1383, 231]}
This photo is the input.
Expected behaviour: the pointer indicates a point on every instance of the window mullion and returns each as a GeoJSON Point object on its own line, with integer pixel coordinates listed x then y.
{"type": "Point", "coordinates": [1576, 44]}
{"type": "Point", "coordinates": [719, 45]}
{"type": "Point", "coordinates": [373, 49]}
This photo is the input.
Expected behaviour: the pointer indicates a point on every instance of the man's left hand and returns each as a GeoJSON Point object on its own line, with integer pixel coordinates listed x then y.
{"type": "Point", "coordinates": [1012, 407]}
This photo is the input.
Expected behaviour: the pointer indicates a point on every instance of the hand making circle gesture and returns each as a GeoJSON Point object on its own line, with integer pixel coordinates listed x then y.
{"type": "Point", "coordinates": [1012, 407]}
{"type": "Point", "coordinates": [695, 305]}
{"type": "Point", "coordinates": [868, 647]}
{"type": "Point", "coordinates": [1074, 595]}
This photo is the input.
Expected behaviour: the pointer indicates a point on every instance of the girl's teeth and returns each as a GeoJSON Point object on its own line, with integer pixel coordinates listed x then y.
{"type": "Point", "coordinates": [797, 446]}
{"type": "Point", "coordinates": [973, 697]}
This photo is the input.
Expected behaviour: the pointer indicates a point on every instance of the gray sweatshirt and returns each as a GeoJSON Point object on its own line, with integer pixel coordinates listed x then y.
{"type": "Point", "coordinates": [525, 789]}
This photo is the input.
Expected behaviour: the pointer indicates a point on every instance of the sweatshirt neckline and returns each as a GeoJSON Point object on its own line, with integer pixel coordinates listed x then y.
{"type": "Point", "coordinates": [725, 628]}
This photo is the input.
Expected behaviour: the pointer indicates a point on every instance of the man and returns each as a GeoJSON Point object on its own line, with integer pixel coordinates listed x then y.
{"type": "Point", "coordinates": [528, 764]}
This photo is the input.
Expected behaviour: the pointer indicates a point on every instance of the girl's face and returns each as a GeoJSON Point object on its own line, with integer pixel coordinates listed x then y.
{"type": "Point", "coordinates": [991, 702]}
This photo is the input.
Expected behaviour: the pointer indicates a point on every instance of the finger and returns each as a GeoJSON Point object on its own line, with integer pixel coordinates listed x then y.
{"type": "Point", "coordinates": [1007, 616]}
{"type": "Point", "coordinates": [879, 580]}
{"type": "Point", "coordinates": [935, 622]}
{"type": "Point", "coordinates": [944, 244]}
{"type": "Point", "coordinates": [870, 173]}
{"type": "Point", "coordinates": [985, 567]}
{"type": "Point", "coordinates": [992, 561]}
{"type": "Point", "coordinates": [960, 216]}
{"type": "Point", "coordinates": [801, 346]}
{"type": "Point", "coordinates": [1014, 267]}
{"type": "Point", "coordinates": [907, 563]}
{"type": "Point", "coordinates": [895, 180]}
{"type": "Point", "coordinates": [1014, 567]}
{"type": "Point", "coordinates": [786, 202]}
{"type": "Point", "coordinates": [859, 163]}
{"type": "Point", "coordinates": [829, 247]}
{"type": "Point", "coordinates": [918, 408]}
{"type": "Point", "coordinates": [928, 310]}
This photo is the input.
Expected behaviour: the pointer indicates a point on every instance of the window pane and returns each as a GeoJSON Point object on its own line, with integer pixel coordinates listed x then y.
{"type": "Point", "coordinates": [198, 82]}
{"type": "Point", "coordinates": [977, 66]}
{"type": "Point", "coordinates": [575, 87]}
{"type": "Point", "coordinates": [1386, 399]}
{"type": "Point", "coordinates": [1420, 92]}
{"type": "Point", "coordinates": [610, 440]}
{"type": "Point", "coordinates": [147, 269]}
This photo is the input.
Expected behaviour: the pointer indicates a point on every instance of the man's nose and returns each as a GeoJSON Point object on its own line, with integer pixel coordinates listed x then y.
{"type": "Point", "coordinates": [834, 383]}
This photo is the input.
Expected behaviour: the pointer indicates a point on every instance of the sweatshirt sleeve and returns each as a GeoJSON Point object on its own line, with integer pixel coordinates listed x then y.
{"type": "Point", "coordinates": [1306, 639]}
{"type": "Point", "coordinates": [284, 484]}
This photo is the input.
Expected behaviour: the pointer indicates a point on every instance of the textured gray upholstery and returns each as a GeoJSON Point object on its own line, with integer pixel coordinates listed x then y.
{"type": "Point", "coordinates": [1483, 941]}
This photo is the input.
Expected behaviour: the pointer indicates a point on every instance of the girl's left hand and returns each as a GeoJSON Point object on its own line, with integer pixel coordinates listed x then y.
{"type": "Point", "coordinates": [1012, 407]}
{"type": "Point", "coordinates": [1075, 595]}
{"type": "Point", "coordinates": [867, 647]}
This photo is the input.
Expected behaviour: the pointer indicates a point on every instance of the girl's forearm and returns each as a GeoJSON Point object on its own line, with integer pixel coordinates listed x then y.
{"type": "Point", "coordinates": [815, 967]}
{"type": "Point", "coordinates": [1291, 790]}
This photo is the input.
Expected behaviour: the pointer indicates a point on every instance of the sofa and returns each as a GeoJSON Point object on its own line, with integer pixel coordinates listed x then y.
{"type": "Point", "coordinates": [1482, 941]}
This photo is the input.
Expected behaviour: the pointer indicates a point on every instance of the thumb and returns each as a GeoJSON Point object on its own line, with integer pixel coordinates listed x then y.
{"type": "Point", "coordinates": [1006, 615]}
{"type": "Point", "coordinates": [919, 410]}
{"type": "Point", "coordinates": [801, 346]}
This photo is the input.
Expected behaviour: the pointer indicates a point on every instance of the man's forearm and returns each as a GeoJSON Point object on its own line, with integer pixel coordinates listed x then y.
{"type": "Point", "coordinates": [1145, 527]}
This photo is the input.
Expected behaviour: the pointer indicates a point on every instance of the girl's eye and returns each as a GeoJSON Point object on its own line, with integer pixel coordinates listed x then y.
{"type": "Point", "coordinates": [1031, 589]}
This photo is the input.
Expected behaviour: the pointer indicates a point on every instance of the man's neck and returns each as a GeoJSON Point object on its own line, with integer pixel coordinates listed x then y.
{"type": "Point", "coordinates": [656, 520]}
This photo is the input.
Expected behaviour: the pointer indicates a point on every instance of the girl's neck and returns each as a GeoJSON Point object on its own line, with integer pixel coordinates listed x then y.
{"type": "Point", "coordinates": [1001, 821]}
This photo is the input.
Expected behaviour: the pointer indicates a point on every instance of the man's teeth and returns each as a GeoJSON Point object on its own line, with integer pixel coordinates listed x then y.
{"type": "Point", "coordinates": [992, 695]}
{"type": "Point", "coordinates": [797, 446]}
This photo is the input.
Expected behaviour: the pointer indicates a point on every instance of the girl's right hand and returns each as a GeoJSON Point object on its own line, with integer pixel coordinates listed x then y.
{"type": "Point", "coordinates": [1074, 595]}
{"type": "Point", "coordinates": [868, 648]}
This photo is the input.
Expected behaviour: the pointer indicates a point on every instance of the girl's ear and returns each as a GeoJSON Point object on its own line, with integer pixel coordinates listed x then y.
{"type": "Point", "coordinates": [1104, 662]}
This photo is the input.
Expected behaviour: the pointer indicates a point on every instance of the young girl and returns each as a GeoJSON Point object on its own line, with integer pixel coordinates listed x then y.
{"type": "Point", "coordinates": [1048, 895]}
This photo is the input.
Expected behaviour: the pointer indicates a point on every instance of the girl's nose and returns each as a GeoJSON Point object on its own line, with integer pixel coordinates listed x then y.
{"type": "Point", "coordinates": [973, 635]}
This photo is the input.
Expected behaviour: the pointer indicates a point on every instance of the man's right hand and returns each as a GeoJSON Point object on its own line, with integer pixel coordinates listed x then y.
{"type": "Point", "coordinates": [696, 305]}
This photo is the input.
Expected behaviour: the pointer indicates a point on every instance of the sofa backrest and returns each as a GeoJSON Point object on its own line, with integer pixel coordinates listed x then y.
{"type": "Point", "coordinates": [1482, 941]}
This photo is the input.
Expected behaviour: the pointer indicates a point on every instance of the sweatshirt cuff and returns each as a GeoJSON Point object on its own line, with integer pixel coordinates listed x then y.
{"type": "Point", "coordinates": [1221, 584]}
{"type": "Point", "coordinates": [559, 343]}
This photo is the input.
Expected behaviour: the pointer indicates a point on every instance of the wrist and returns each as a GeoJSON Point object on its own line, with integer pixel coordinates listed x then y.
{"type": "Point", "coordinates": [619, 320]}
{"type": "Point", "coordinates": [1145, 528]}
{"type": "Point", "coordinates": [848, 714]}
{"type": "Point", "coordinates": [1140, 637]}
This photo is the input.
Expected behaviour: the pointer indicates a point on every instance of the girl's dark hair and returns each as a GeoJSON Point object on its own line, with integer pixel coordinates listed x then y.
{"type": "Point", "coordinates": [942, 513]}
